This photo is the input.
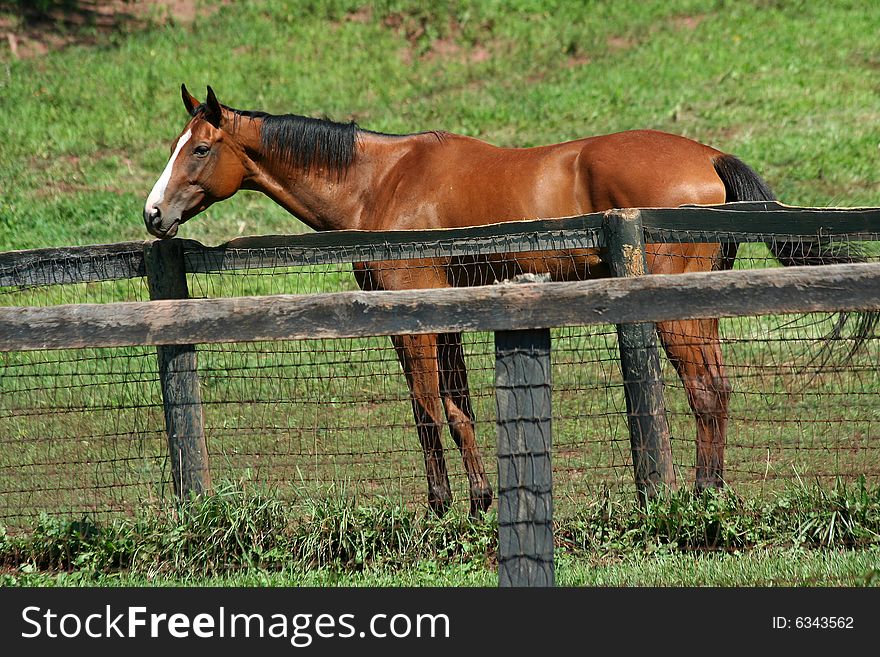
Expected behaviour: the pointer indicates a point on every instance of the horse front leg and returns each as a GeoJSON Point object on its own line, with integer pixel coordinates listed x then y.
{"type": "Point", "coordinates": [460, 415]}
{"type": "Point", "coordinates": [694, 349]}
{"type": "Point", "coordinates": [418, 357]}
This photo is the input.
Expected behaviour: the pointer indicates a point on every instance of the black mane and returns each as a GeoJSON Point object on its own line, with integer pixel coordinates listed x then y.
{"type": "Point", "coordinates": [305, 142]}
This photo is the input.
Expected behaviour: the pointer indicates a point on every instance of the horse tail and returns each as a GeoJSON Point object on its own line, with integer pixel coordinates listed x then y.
{"type": "Point", "coordinates": [741, 183]}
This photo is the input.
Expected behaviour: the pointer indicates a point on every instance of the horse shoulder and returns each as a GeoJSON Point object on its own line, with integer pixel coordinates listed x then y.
{"type": "Point", "coordinates": [416, 187]}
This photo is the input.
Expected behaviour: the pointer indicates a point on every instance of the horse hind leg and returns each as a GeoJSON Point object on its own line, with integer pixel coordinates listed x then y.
{"type": "Point", "coordinates": [459, 413]}
{"type": "Point", "coordinates": [694, 349]}
{"type": "Point", "coordinates": [418, 357]}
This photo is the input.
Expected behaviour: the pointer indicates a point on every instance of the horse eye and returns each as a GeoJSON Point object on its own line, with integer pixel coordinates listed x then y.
{"type": "Point", "coordinates": [201, 150]}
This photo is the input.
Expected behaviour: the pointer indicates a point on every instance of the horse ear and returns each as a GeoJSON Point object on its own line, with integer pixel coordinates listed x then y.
{"type": "Point", "coordinates": [213, 113]}
{"type": "Point", "coordinates": [189, 101]}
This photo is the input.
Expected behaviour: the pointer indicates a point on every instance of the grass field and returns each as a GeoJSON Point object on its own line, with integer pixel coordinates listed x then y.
{"type": "Point", "coordinates": [791, 87]}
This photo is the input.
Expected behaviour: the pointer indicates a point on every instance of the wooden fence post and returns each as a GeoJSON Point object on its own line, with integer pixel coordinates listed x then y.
{"type": "Point", "coordinates": [179, 376]}
{"type": "Point", "coordinates": [525, 489]}
{"type": "Point", "coordinates": [640, 364]}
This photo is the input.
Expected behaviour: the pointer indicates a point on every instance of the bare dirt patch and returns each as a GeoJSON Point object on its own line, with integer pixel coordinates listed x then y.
{"type": "Point", "coordinates": [683, 23]}
{"type": "Point", "coordinates": [31, 29]}
{"type": "Point", "coordinates": [691, 22]}
{"type": "Point", "coordinates": [616, 43]}
{"type": "Point", "coordinates": [69, 174]}
{"type": "Point", "coordinates": [427, 45]}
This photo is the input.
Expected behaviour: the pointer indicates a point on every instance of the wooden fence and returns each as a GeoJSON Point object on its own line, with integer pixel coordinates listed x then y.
{"type": "Point", "coordinates": [520, 315]}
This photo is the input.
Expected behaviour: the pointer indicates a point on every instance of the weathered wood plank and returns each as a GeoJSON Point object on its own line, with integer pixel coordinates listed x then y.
{"type": "Point", "coordinates": [741, 222]}
{"type": "Point", "coordinates": [754, 221]}
{"type": "Point", "coordinates": [640, 366]}
{"type": "Point", "coordinates": [66, 265]}
{"type": "Point", "coordinates": [179, 377]}
{"type": "Point", "coordinates": [488, 308]}
{"type": "Point", "coordinates": [343, 247]}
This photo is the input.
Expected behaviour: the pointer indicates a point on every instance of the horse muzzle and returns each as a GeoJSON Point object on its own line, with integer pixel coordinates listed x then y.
{"type": "Point", "coordinates": [158, 224]}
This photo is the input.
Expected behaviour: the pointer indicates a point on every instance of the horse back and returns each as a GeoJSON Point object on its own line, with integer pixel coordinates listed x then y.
{"type": "Point", "coordinates": [459, 181]}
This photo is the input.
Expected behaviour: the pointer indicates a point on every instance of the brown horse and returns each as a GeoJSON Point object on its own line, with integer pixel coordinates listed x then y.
{"type": "Point", "coordinates": [336, 176]}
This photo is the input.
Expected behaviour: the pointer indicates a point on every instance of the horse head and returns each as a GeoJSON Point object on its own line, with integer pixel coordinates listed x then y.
{"type": "Point", "coordinates": [206, 166]}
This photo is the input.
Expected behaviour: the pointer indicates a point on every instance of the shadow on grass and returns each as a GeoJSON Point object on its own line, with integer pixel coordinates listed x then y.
{"type": "Point", "coordinates": [36, 27]}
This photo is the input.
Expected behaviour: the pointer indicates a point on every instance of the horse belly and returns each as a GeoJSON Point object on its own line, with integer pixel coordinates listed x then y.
{"type": "Point", "coordinates": [570, 265]}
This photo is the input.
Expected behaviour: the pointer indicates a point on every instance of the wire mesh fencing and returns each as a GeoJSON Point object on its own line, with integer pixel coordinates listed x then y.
{"type": "Point", "coordinates": [83, 430]}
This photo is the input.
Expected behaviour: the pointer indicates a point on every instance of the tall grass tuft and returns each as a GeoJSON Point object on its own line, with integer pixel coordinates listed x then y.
{"type": "Point", "coordinates": [237, 529]}
{"type": "Point", "coordinates": [340, 532]}
{"type": "Point", "coordinates": [845, 516]}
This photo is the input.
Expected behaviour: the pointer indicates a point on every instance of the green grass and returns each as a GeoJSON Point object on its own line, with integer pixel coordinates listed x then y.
{"type": "Point", "coordinates": [753, 568]}
{"type": "Point", "coordinates": [807, 536]}
{"type": "Point", "coordinates": [790, 87]}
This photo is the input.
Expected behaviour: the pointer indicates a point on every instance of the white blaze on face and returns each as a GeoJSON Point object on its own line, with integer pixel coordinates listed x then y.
{"type": "Point", "coordinates": [158, 191]}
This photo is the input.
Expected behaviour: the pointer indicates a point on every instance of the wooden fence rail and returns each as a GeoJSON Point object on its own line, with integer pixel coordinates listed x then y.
{"type": "Point", "coordinates": [738, 222]}
{"type": "Point", "coordinates": [661, 297]}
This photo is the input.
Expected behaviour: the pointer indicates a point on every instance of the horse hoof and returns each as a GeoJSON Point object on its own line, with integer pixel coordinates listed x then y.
{"type": "Point", "coordinates": [481, 500]}
{"type": "Point", "coordinates": [702, 485]}
{"type": "Point", "coordinates": [440, 503]}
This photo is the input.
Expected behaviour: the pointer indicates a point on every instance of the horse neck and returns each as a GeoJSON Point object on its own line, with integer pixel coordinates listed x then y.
{"type": "Point", "coordinates": [321, 198]}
